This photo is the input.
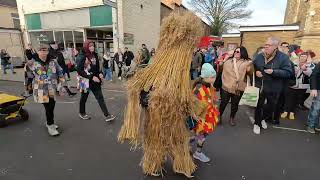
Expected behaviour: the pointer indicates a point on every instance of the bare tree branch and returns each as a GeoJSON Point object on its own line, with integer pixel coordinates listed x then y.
{"type": "Point", "coordinates": [221, 14]}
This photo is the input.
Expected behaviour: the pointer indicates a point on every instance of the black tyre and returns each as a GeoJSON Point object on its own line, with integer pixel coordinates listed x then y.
{"type": "Point", "coordinates": [24, 114]}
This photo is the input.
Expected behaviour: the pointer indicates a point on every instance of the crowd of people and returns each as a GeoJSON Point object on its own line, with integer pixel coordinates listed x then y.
{"type": "Point", "coordinates": [47, 72]}
{"type": "Point", "coordinates": [286, 76]}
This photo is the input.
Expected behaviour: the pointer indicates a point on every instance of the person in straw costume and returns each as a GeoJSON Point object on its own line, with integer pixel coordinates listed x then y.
{"type": "Point", "coordinates": [160, 125]}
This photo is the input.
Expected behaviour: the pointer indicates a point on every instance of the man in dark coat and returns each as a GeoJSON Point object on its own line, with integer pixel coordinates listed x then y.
{"type": "Point", "coordinates": [145, 55]}
{"type": "Point", "coordinates": [128, 56]}
{"type": "Point", "coordinates": [272, 69]}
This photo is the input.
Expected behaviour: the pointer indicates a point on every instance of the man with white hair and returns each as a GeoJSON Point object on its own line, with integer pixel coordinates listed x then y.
{"type": "Point", "coordinates": [272, 69]}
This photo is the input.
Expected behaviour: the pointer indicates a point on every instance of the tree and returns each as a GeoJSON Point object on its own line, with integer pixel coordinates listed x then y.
{"type": "Point", "coordinates": [221, 14]}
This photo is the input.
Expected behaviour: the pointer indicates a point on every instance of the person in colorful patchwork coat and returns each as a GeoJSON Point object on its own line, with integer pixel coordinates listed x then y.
{"type": "Point", "coordinates": [206, 112]}
{"type": "Point", "coordinates": [48, 79]}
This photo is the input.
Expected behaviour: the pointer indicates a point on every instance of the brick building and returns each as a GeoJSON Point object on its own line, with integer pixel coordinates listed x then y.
{"type": "Point", "coordinates": [253, 37]}
{"type": "Point", "coordinates": [305, 13]}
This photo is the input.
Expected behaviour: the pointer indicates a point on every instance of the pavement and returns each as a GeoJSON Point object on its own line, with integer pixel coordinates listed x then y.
{"type": "Point", "coordinates": [89, 149]}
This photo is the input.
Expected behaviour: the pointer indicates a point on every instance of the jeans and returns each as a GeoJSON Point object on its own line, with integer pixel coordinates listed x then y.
{"type": "Point", "coordinates": [271, 110]}
{"type": "Point", "coordinates": [49, 107]}
{"type": "Point", "coordinates": [99, 97]}
{"type": "Point", "coordinates": [194, 74]}
{"type": "Point", "coordinates": [66, 71]}
{"type": "Point", "coordinates": [313, 117]}
{"type": "Point", "coordinates": [107, 74]}
{"type": "Point", "coordinates": [8, 66]}
{"type": "Point", "coordinates": [120, 69]}
{"type": "Point", "coordinates": [225, 98]}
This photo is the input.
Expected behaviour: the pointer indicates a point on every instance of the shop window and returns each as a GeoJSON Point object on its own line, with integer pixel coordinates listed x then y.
{"type": "Point", "coordinates": [78, 38]}
{"type": "Point", "coordinates": [59, 37]}
{"type": "Point", "coordinates": [68, 37]}
{"type": "Point", "coordinates": [42, 36]}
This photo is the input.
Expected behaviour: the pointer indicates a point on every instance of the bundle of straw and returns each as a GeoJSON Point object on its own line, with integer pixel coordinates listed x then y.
{"type": "Point", "coordinates": [163, 132]}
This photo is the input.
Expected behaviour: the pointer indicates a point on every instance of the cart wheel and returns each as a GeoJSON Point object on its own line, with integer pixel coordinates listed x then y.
{"type": "Point", "coordinates": [2, 121]}
{"type": "Point", "coordinates": [24, 114]}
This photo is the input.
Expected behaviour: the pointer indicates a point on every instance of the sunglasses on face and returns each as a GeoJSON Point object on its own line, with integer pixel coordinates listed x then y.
{"type": "Point", "coordinates": [43, 49]}
{"type": "Point", "coordinates": [285, 46]}
{"type": "Point", "coordinates": [237, 52]}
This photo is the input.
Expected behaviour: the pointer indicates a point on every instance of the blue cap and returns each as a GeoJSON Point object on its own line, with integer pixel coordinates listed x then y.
{"type": "Point", "coordinates": [207, 70]}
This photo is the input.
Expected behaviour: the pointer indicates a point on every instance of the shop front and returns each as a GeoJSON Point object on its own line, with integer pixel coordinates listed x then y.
{"type": "Point", "coordinates": [70, 28]}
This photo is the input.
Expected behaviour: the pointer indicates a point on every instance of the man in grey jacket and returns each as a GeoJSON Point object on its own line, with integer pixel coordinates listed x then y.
{"type": "Point", "coordinates": [196, 64]}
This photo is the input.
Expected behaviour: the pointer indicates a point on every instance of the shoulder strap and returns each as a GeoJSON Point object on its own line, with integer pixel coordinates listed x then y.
{"type": "Point", "coordinates": [236, 69]}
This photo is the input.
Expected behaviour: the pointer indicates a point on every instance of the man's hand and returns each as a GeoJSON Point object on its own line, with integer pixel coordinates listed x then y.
{"type": "Point", "coordinates": [95, 79]}
{"type": "Point", "coordinates": [101, 76]}
{"type": "Point", "coordinates": [313, 93]}
{"type": "Point", "coordinates": [304, 68]}
{"type": "Point", "coordinates": [268, 71]}
{"type": "Point", "coordinates": [259, 74]}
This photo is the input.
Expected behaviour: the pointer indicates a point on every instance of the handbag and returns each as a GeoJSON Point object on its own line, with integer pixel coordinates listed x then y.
{"type": "Point", "coordinates": [250, 96]}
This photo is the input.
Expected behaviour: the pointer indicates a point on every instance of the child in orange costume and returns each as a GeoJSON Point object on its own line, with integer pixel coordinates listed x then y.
{"type": "Point", "coordinates": [205, 110]}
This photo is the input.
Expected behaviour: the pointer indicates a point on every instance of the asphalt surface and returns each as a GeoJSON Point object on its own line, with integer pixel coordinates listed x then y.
{"type": "Point", "coordinates": [89, 149]}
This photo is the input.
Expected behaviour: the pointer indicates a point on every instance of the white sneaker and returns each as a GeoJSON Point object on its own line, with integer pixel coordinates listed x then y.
{"type": "Point", "coordinates": [256, 129]}
{"type": "Point", "coordinates": [52, 130]}
{"type": "Point", "coordinates": [84, 117]}
{"type": "Point", "coordinates": [201, 157]}
{"type": "Point", "coordinates": [110, 118]}
{"type": "Point", "coordinates": [119, 78]}
{"type": "Point", "coordinates": [264, 124]}
{"type": "Point", "coordinates": [55, 126]}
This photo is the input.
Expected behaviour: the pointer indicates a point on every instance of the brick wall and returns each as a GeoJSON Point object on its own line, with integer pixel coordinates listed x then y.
{"type": "Point", "coordinates": [231, 40]}
{"type": "Point", "coordinates": [311, 43]}
{"type": "Point", "coordinates": [142, 21]}
{"type": "Point", "coordinates": [253, 40]}
{"type": "Point", "coordinates": [291, 11]}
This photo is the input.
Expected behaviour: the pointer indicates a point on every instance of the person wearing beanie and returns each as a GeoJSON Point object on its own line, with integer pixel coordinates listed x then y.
{"type": "Point", "coordinates": [234, 81]}
{"type": "Point", "coordinates": [205, 116]}
{"type": "Point", "coordinates": [48, 79]}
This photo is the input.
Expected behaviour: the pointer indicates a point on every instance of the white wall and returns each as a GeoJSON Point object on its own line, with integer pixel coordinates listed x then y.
{"type": "Point", "coordinates": [144, 22]}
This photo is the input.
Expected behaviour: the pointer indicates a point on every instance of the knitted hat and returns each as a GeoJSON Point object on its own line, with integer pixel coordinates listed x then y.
{"type": "Point", "coordinates": [207, 71]}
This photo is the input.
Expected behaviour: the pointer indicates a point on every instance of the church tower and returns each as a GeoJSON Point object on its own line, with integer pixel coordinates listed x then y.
{"type": "Point", "coordinates": [305, 13]}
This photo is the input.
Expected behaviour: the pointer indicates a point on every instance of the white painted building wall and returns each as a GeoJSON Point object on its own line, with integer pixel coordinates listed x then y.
{"type": "Point", "coordinates": [143, 22]}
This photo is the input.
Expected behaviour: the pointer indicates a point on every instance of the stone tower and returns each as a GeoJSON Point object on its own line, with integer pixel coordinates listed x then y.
{"type": "Point", "coordinates": [305, 13]}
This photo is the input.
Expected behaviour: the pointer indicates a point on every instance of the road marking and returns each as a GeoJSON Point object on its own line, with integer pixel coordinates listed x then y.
{"type": "Point", "coordinates": [110, 90]}
{"type": "Point", "coordinates": [65, 102]}
{"type": "Point", "coordinates": [290, 129]}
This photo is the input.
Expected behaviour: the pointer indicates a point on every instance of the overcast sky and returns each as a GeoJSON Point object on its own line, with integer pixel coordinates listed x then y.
{"type": "Point", "coordinates": [265, 12]}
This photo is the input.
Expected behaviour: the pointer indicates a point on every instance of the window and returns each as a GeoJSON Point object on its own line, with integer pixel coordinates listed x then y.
{"type": "Point", "coordinates": [42, 36]}
{"type": "Point", "coordinates": [78, 38]}
{"type": "Point", "coordinates": [59, 37]}
{"type": "Point", "coordinates": [15, 20]}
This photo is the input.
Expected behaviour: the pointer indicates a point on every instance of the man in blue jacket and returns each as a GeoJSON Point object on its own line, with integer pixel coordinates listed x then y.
{"type": "Point", "coordinates": [272, 69]}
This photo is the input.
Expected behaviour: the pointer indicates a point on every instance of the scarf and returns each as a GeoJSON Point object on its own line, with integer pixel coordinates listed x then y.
{"type": "Point", "coordinates": [269, 57]}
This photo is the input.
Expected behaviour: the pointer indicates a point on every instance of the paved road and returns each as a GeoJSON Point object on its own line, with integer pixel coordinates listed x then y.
{"type": "Point", "coordinates": [89, 149]}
